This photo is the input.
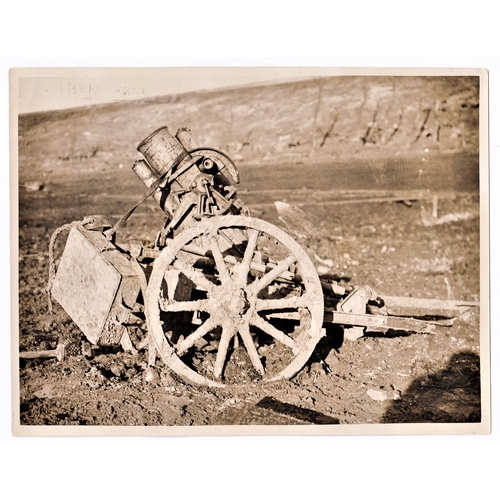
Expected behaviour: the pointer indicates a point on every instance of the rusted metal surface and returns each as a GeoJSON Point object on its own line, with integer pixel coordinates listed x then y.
{"type": "Point", "coordinates": [96, 285]}
{"type": "Point", "coordinates": [161, 150]}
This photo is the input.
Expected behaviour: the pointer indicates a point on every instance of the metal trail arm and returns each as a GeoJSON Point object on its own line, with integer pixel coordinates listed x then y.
{"type": "Point", "coordinates": [411, 306]}
{"type": "Point", "coordinates": [381, 323]}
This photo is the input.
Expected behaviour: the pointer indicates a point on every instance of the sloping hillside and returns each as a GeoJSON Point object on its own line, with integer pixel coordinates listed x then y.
{"type": "Point", "coordinates": [321, 120]}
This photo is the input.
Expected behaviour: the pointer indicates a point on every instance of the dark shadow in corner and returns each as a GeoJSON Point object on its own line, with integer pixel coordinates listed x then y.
{"type": "Point", "coordinates": [452, 395]}
{"type": "Point", "coordinates": [311, 416]}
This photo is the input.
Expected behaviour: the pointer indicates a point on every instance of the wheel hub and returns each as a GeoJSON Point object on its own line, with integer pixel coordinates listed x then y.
{"type": "Point", "coordinates": [240, 303]}
{"type": "Point", "coordinates": [233, 302]}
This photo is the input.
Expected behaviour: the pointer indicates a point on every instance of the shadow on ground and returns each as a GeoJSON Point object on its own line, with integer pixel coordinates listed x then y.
{"type": "Point", "coordinates": [270, 411]}
{"type": "Point", "coordinates": [451, 395]}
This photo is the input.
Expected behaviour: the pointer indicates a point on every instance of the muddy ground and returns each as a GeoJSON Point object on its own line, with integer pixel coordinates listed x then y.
{"type": "Point", "coordinates": [392, 378]}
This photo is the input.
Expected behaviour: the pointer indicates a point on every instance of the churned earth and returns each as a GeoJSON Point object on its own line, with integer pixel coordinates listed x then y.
{"type": "Point", "coordinates": [366, 160]}
{"type": "Point", "coordinates": [372, 240]}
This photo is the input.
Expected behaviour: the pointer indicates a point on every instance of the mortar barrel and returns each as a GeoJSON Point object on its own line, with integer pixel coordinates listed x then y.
{"type": "Point", "coordinates": [148, 177]}
{"type": "Point", "coordinates": [160, 150]}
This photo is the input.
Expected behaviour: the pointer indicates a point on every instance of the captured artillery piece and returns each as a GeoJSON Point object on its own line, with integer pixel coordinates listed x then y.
{"type": "Point", "coordinates": [219, 289]}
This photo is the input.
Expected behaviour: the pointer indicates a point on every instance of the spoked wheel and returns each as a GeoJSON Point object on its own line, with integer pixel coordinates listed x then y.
{"type": "Point", "coordinates": [220, 313]}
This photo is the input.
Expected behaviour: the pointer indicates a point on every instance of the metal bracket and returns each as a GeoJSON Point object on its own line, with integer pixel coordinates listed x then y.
{"type": "Point", "coordinates": [355, 303]}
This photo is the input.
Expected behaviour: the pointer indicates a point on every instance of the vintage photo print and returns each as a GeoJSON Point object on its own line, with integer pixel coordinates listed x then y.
{"type": "Point", "coordinates": [249, 251]}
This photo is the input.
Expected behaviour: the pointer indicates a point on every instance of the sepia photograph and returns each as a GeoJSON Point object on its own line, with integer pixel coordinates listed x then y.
{"type": "Point", "coordinates": [249, 251]}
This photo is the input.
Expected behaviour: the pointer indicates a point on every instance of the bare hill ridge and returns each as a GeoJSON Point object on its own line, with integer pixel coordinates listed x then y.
{"type": "Point", "coordinates": [313, 121]}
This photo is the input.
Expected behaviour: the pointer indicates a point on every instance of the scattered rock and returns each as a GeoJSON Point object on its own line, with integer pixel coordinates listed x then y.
{"type": "Point", "coordinates": [150, 376]}
{"type": "Point", "coordinates": [34, 186]}
{"type": "Point", "coordinates": [368, 229]}
{"type": "Point", "coordinates": [332, 359]}
{"type": "Point", "coordinates": [116, 369]}
{"type": "Point", "coordinates": [377, 395]}
{"type": "Point", "coordinates": [322, 270]}
{"type": "Point", "coordinates": [45, 392]}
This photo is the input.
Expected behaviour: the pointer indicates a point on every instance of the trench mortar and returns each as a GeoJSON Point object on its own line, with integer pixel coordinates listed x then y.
{"type": "Point", "coordinates": [228, 298]}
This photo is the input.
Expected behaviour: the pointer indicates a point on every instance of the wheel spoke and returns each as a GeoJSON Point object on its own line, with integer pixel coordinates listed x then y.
{"type": "Point", "coordinates": [220, 360]}
{"type": "Point", "coordinates": [246, 336]}
{"type": "Point", "coordinates": [247, 257]}
{"type": "Point", "coordinates": [279, 304]}
{"type": "Point", "coordinates": [219, 259]}
{"type": "Point", "coordinates": [268, 278]}
{"type": "Point", "coordinates": [227, 294]}
{"type": "Point", "coordinates": [198, 279]}
{"type": "Point", "coordinates": [185, 305]}
{"type": "Point", "coordinates": [171, 280]}
{"type": "Point", "coordinates": [273, 331]}
{"type": "Point", "coordinates": [200, 332]}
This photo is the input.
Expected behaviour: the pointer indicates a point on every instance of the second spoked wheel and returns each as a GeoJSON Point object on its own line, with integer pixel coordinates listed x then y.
{"type": "Point", "coordinates": [234, 300]}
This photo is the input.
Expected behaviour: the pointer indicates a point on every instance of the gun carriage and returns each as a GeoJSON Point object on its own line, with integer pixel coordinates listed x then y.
{"type": "Point", "coordinates": [217, 287]}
